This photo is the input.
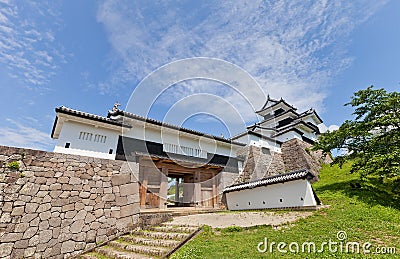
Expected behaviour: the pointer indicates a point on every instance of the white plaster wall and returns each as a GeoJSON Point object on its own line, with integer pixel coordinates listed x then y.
{"type": "Point", "coordinates": [70, 134]}
{"type": "Point", "coordinates": [311, 135]}
{"type": "Point", "coordinates": [288, 136]}
{"type": "Point", "coordinates": [270, 196]}
{"type": "Point", "coordinates": [176, 137]}
{"type": "Point", "coordinates": [310, 119]}
{"type": "Point", "coordinates": [259, 142]}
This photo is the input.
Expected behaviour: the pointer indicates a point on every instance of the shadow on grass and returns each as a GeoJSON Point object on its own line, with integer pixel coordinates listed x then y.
{"type": "Point", "coordinates": [368, 194]}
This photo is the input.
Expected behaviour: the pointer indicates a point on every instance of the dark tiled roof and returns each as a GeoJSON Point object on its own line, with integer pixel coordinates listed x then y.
{"type": "Point", "coordinates": [90, 116]}
{"type": "Point", "coordinates": [276, 102]}
{"type": "Point", "coordinates": [85, 115]}
{"type": "Point", "coordinates": [281, 178]}
{"type": "Point", "coordinates": [308, 112]}
{"type": "Point", "coordinates": [292, 125]}
{"type": "Point", "coordinates": [171, 126]}
{"type": "Point", "coordinates": [281, 114]}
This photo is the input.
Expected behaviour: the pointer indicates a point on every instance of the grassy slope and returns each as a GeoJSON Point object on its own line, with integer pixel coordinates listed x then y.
{"type": "Point", "coordinates": [365, 214]}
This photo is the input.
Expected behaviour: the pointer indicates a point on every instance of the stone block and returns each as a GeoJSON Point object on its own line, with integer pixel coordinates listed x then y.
{"type": "Point", "coordinates": [34, 222]}
{"type": "Point", "coordinates": [55, 194]}
{"type": "Point", "coordinates": [55, 222]}
{"type": "Point", "coordinates": [34, 240]}
{"type": "Point", "coordinates": [129, 210]}
{"type": "Point", "coordinates": [90, 236]}
{"type": "Point", "coordinates": [63, 179]}
{"type": "Point", "coordinates": [5, 218]}
{"type": "Point", "coordinates": [55, 186]}
{"type": "Point", "coordinates": [18, 211]}
{"type": "Point", "coordinates": [68, 247]}
{"type": "Point", "coordinates": [84, 195]}
{"type": "Point", "coordinates": [11, 237]}
{"type": "Point", "coordinates": [79, 236]}
{"type": "Point", "coordinates": [128, 189]}
{"type": "Point", "coordinates": [70, 214]}
{"type": "Point", "coordinates": [76, 227]}
{"type": "Point", "coordinates": [29, 252]}
{"type": "Point", "coordinates": [46, 199]}
{"type": "Point", "coordinates": [120, 179]}
{"type": "Point", "coordinates": [45, 236]}
{"type": "Point", "coordinates": [108, 190]}
{"type": "Point", "coordinates": [75, 181]}
{"type": "Point", "coordinates": [45, 215]}
{"type": "Point", "coordinates": [41, 194]}
{"type": "Point", "coordinates": [21, 244]}
{"type": "Point", "coordinates": [109, 197]}
{"type": "Point", "coordinates": [44, 207]}
{"type": "Point", "coordinates": [5, 249]}
{"type": "Point", "coordinates": [21, 227]}
{"type": "Point", "coordinates": [120, 201]}
{"type": "Point", "coordinates": [44, 225]}
{"type": "Point", "coordinates": [79, 206]}
{"type": "Point", "coordinates": [68, 207]}
{"type": "Point", "coordinates": [29, 189]}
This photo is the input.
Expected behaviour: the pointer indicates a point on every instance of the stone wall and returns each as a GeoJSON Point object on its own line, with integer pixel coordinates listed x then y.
{"type": "Point", "coordinates": [259, 163]}
{"type": "Point", "coordinates": [58, 205]}
{"type": "Point", "coordinates": [297, 155]}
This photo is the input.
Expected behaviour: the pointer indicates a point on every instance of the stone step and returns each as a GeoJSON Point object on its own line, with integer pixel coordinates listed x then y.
{"type": "Point", "coordinates": [117, 254]}
{"type": "Point", "coordinates": [149, 241]}
{"type": "Point", "coordinates": [91, 255]}
{"type": "Point", "coordinates": [175, 229]}
{"type": "Point", "coordinates": [160, 235]}
{"type": "Point", "coordinates": [141, 249]}
{"type": "Point", "coordinates": [171, 224]}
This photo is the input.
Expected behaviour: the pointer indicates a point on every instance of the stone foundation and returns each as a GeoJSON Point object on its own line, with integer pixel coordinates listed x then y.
{"type": "Point", "coordinates": [57, 205]}
{"type": "Point", "coordinates": [296, 155]}
{"type": "Point", "coordinates": [259, 163]}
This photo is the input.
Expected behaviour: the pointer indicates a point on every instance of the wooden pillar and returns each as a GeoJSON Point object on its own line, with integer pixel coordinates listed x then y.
{"type": "Point", "coordinates": [143, 189]}
{"type": "Point", "coordinates": [197, 189]}
{"type": "Point", "coordinates": [214, 190]}
{"type": "Point", "coordinates": [163, 192]}
{"type": "Point", "coordinates": [177, 190]}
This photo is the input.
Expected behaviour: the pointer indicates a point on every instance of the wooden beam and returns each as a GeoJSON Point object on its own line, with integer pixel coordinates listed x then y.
{"type": "Point", "coordinates": [163, 193]}
{"type": "Point", "coordinates": [214, 190]}
{"type": "Point", "coordinates": [143, 190]}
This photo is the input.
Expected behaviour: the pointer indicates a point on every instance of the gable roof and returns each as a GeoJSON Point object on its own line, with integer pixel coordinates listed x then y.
{"type": "Point", "coordinates": [109, 120]}
{"type": "Point", "coordinates": [85, 115]}
{"type": "Point", "coordinates": [280, 178]}
{"type": "Point", "coordinates": [292, 127]}
{"type": "Point", "coordinates": [275, 102]}
{"type": "Point", "coordinates": [309, 112]}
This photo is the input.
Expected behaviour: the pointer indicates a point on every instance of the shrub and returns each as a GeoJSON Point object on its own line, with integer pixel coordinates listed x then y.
{"type": "Point", "coordinates": [13, 165]}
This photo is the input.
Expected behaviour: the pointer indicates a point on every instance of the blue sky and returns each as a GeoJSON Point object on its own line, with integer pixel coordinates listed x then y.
{"type": "Point", "coordinates": [88, 54]}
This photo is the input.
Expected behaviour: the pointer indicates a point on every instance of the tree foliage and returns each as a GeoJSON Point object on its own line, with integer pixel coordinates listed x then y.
{"type": "Point", "coordinates": [372, 139]}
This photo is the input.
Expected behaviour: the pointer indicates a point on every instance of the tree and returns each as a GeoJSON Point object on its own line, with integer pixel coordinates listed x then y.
{"type": "Point", "coordinates": [372, 139]}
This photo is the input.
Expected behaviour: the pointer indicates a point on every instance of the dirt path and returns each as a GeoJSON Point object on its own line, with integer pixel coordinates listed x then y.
{"type": "Point", "coordinates": [242, 219]}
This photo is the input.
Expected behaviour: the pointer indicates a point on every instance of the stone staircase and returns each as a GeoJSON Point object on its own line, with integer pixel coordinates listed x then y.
{"type": "Point", "coordinates": [153, 242]}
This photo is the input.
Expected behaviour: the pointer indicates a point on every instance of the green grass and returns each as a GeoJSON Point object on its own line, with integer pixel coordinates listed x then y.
{"type": "Point", "coordinates": [367, 214]}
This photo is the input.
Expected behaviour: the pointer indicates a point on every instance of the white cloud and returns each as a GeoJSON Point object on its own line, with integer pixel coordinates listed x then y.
{"type": "Point", "coordinates": [27, 46]}
{"type": "Point", "coordinates": [19, 135]}
{"type": "Point", "coordinates": [323, 128]}
{"type": "Point", "coordinates": [292, 48]}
